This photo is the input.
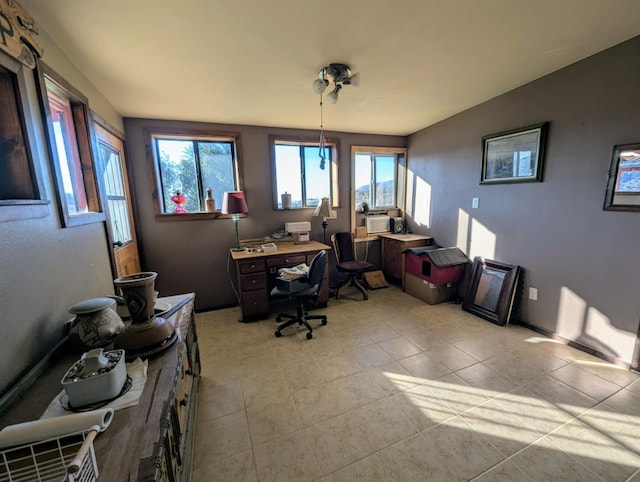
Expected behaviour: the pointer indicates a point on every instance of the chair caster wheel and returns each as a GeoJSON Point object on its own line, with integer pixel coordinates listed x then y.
{"type": "Point", "coordinates": [309, 336]}
{"type": "Point", "coordinates": [324, 322]}
{"type": "Point", "coordinates": [278, 319]}
{"type": "Point", "coordinates": [278, 334]}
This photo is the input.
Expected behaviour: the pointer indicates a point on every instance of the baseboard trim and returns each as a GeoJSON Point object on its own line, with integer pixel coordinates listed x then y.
{"type": "Point", "coordinates": [579, 346]}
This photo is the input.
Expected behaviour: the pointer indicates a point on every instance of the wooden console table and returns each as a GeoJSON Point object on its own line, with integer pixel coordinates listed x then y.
{"type": "Point", "coordinates": [256, 274]}
{"type": "Point", "coordinates": [153, 440]}
{"type": "Point", "coordinates": [392, 247]}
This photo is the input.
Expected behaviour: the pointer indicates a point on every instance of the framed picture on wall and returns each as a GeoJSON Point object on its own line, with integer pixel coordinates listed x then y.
{"type": "Point", "coordinates": [623, 185]}
{"type": "Point", "coordinates": [514, 156]}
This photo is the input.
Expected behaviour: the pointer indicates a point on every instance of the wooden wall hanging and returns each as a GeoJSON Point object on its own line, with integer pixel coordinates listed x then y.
{"type": "Point", "coordinates": [17, 33]}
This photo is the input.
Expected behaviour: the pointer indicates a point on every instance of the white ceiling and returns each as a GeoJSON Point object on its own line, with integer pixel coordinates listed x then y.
{"type": "Point", "coordinates": [253, 62]}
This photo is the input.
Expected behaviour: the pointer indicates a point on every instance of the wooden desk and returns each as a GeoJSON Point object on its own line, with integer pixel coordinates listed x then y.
{"type": "Point", "coordinates": [392, 247]}
{"type": "Point", "coordinates": [151, 441]}
{"type": "Point", "coordinates": [256, 275]}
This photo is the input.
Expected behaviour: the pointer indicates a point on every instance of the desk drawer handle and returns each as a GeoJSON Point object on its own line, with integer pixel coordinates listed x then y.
{"type": "Point", "coordinates": [253, 266]}
{"type": "Point", "coordinates": [253, 281]}
{"type": "Point", "coordinates": [286, 260]}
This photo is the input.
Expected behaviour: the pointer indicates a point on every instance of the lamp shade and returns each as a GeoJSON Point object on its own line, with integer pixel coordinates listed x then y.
{"type": "Point", "coordinates": [234, 202]}
{"type": "Point", "coordinates": [319, 85]}
{"type": "Point", "coordinates": [323, 210]}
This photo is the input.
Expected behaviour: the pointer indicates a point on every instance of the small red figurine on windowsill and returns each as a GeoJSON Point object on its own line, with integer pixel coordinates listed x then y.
{"type": "Point", "coordinates": [179, 199]}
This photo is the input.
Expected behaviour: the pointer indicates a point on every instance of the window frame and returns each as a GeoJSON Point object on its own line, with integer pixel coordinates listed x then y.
{"type": "Point", "coordinates": [401, 179]}
{"type": "Point", "coordinates": [34, 203]}
{"type": "Point", "coordinates": [333, 144]}
{"type": "Point", "coordinates": [187, 134]}
{"type": "Point", "coordinates": [88, 164]}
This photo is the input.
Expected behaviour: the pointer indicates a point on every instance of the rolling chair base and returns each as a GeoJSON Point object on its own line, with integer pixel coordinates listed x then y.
{"type": "Point", "coordinates": [301, 319]}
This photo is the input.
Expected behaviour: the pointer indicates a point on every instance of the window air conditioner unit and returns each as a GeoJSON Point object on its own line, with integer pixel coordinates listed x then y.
{"type": "Point", "coordinates": [377, 224]}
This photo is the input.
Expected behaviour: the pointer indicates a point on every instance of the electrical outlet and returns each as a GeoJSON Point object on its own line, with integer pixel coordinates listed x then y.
{"type": "Point", "coordinates": [533, 294]}
{"type": "Point", "coordinates": [474, 203]}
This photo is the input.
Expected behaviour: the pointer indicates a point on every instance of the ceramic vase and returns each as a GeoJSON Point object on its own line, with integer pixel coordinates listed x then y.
{"type": "Point", "coordinates": [95, 325]}
{"type": "Point", "coordinates": [148, 335]}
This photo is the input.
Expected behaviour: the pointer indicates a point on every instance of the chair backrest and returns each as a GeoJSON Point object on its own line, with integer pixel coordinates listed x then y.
{"type": "Point", "coordinates": [316, 269]}
{"type": "Point", "coordinates": [343, 246]}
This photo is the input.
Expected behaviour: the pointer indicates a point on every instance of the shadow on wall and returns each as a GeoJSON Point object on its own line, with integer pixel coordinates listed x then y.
{"type": "Point", "coordinates": [587, 325]}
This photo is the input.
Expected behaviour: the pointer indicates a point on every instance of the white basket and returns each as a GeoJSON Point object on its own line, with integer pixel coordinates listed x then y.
{"type": "Point", "coordinates": [48, 461]}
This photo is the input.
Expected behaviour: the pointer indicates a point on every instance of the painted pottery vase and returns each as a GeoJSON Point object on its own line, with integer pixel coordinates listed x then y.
{"type": "Point", "coordinates": [148, 335]}
{"type": "Point", "coordinates": [96, 323]}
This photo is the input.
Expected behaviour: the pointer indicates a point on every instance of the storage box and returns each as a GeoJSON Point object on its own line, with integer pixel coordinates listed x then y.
{"type": "Point", "coordinates": [438, 266]}
{"type": "Point", "coordinates": [301, 237]}
{"type": "Point", "coordinates": [299, 227]}
{"type": "Point", "coordinates": [428, 292]}
{"type": "Point", "coordinates": [287, 286]}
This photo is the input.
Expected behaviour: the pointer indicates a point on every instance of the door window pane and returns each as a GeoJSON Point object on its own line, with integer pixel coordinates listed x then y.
{"type": "Point", "coordinates": [115, 194]}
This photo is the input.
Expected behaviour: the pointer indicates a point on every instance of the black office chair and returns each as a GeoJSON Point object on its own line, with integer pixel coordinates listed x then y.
{"type": "Point", "coordinates": [347, 262]}
{"type": "Point", "coordinates": [310, 289]}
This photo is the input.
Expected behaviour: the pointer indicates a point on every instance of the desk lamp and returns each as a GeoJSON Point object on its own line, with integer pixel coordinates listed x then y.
{"type": "Point", "coordinates": [324, 210]}
{"type": "Point", "coordinates": [235, 204]}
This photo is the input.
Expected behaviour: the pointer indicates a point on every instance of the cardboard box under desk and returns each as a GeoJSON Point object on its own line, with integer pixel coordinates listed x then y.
{"type": "Point", "coordinates": [428, 292]}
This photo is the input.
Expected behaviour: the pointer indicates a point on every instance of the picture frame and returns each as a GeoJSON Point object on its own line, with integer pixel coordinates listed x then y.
{"type": "Point", "coordinates": [514, 156]}
{"type": "Point", "coordinates": [492, 290]}
{"type": "Point", "coordinates": [623, 183]}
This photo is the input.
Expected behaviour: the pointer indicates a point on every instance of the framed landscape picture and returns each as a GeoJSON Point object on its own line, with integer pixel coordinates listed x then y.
{"type": "Point", "coordinates": [514, 156]}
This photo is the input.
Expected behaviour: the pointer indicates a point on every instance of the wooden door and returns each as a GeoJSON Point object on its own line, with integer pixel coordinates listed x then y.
{"type": "Point", "coordinates": [120, 221]}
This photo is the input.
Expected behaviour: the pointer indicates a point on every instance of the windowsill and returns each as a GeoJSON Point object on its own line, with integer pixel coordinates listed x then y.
{"type": "Point", "coordinates": [195, 216]}
{"type": "Point", "coordinates": [15, 210]}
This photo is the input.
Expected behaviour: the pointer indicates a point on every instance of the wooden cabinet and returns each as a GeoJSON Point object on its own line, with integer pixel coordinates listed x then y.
{"type": "Point", "coordinates": [256, 275]}
{"type": "Point", "coordinates": [392, 247]}
{"type": "Point", "coordinates": [153, 440]}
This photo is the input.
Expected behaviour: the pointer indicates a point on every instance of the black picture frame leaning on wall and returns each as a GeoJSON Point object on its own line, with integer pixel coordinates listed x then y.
{"type": "Point", "coordinates": [492, 289]}
{"type": "Point", "coordinates": [623, 184]}
{"type": "Point", "coordinates": [514, 156]}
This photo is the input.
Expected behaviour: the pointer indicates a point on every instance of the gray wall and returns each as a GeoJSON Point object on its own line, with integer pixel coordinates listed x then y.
{"type": "Point", "coordinates": [192, 256]}
{"type": "Point", "coordinates": [584, 261]}
{"type": "Point", "coordinates": [44, 269]}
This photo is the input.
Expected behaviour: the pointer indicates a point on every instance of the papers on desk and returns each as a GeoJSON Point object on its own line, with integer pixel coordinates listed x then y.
{"type": "Point", "coordinates": [294, 272]}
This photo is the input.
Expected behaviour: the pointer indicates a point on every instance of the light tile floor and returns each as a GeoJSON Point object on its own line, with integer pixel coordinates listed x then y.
{"type": "Point", "coordinates": [394, 389]}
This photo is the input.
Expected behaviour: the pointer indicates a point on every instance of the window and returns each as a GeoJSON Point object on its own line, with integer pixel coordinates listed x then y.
{"type": "Point", "coordinates": [20, 192]}
{"type": "Point", "coordinates": [191, 163]}
{"type": "Point", "coordinates": [376, 178]}
{"type": "Point", "coordinates": [300, 171]}
{"type": "Point", "coordinates": [67, 115]}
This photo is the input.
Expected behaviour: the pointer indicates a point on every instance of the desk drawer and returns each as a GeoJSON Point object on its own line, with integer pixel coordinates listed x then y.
{"type": "Point", "coordinates": [253, 281]}
{"type": "Point", "coordinates": [254, 303]}
{"type": "Point", "coordinates": [280, 261]}
{"type": "Point", "coordinates": [251, 266]}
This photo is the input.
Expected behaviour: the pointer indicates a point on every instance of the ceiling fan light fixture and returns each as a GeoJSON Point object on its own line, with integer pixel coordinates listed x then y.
{"type": "Point", "coordinates": [336, 74]}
